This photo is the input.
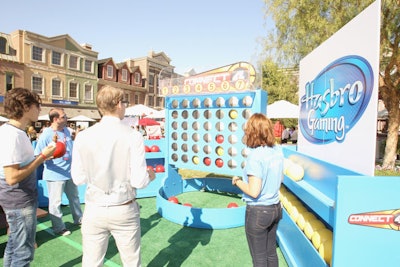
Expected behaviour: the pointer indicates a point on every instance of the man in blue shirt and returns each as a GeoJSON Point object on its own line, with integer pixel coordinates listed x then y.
{"type": "Point", "coordinates": [57, 172]}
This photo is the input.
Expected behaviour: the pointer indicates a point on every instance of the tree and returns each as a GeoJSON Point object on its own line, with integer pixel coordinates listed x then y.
{"type": "Point", "coordinates": [302, 25]}
{"type": "Point", "coordinates": [280, 83]}
{"type": "Point", "coordinates": [389, 80]}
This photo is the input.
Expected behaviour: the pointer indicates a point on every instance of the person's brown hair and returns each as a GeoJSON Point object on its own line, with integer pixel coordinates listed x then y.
{"type": "Point", "coordinates": [54, 113]}
{"type": "Point", "coordinates": [108, 99]}
{"type": "Point", "coordinates": [19, 100]}
{"type": "Point", "coordinates": [259, 131]}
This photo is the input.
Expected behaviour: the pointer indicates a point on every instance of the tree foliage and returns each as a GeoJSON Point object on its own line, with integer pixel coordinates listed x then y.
{"type": "Point", "coordinates": [279, 83]}
{"type": "Point", "coordinates": [302, 25]}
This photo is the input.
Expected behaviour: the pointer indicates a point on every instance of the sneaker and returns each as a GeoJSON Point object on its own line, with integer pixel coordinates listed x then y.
{"type": "Point", "coordinates": [78, 222]}
{"type": "Point", "coordinates": [64, 232]}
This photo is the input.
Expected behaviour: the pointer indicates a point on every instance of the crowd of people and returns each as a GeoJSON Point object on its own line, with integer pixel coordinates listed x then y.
{"type": "Point", "coordinates": [94, 159]}
{"type": "Point", "coordinates": [285, 135]}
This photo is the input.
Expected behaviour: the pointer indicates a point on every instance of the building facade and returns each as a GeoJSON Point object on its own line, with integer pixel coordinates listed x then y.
{"type": "Point", "coordinates": [60, 70]}
{"type": "Point", "coordinates": [152, 65]}
{"type": "Point", "coordinates": [122, 76]}
{"type": "Point", "coordinates": [11, 70]}
{"type": "Point", "coordinates": [68, 75]}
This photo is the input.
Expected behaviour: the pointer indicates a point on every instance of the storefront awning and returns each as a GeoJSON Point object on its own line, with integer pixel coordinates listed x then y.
{"type": "Point", "coordinates": [73, 112]}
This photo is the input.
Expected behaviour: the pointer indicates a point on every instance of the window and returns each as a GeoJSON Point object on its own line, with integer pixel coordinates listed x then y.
{"type": "Point", "coordinates": [137, 77]}
{"type": "Point", "coordinates": [9, 81]}
{"type": "Point", "coordinates": [56, 87]}
{"type": "Point", "coordinates": [151, 101]}
{"type": "Point", "coordinates": [126, 97]}
{"type": "Point", "coordinates": [3, 45]}
{"type": "Point", "coordinates": [88, 92]}
{"type": "Point", "coordinates": [88, 66]}
{"type": "Point", "coordinates": [37, 84]}
{"type": "Point", "coordinates": [124, 75]}
{"type": "Point", "coordinates": [37, 53]}
{"type": "Point", "coordinates": [110, 71]}
{"type": "Point", "coordinates": [151, 79]}
{"type": "Point", "coordinates": [73, 62]}
{"type": "Point", "coordinates": [136, 99]}
{"type": "Point", "coordinates": [159, 101]}
{"type": "Point", "coordinates": [56, 58]}
{"type": "Point", "coordinates": [73, 89]}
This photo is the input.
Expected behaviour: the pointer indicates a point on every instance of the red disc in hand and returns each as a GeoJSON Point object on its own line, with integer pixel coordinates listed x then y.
{"type": "Point", "coordinates": [60, 150]}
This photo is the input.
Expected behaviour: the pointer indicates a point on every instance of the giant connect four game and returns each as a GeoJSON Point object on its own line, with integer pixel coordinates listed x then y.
{"type": "Point", "coordinates": [205, 119]}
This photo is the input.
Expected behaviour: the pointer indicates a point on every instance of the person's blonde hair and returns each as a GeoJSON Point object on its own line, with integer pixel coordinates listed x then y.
{"type": "Point", "coordinates": [108, 98]}
{"type": "Point", "coordinates": [31, 129]}
{"type": "Point", "coordinates": [259, 131]}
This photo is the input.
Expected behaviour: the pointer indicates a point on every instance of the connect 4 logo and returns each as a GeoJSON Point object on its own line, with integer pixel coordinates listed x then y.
{"type": "Point", "coordinates": [387, 219]}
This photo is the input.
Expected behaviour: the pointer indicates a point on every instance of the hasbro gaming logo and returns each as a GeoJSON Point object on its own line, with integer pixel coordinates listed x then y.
{"type": "Point", "coordinates": [335, 100]}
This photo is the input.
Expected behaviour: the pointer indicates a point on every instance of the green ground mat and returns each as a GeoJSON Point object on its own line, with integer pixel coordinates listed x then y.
{"type": "Point", "coordinates": [164, 243]}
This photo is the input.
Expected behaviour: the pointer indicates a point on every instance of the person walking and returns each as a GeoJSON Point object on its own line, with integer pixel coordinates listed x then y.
{"type": "Point", "coordinates": [285, 135]}
{"type": "Point", "coordinates": [278, 130]}
{"type": "Point", "coordinates": [110, 158]}
{"type": "Point", "coordinates": [57, 172]}
{"type": "Point", "coordinates": [294, 135]}
{"type": "Point", "coordinates": [18, 190]}
{"type": "Point", "coordinates": [262, 178]}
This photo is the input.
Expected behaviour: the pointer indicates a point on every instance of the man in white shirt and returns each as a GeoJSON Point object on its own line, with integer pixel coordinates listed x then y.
{"type": "Point", "coordinates": [110, 158]}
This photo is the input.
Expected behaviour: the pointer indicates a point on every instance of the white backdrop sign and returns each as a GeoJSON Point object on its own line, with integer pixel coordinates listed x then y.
{"type": "Point", "coordinates": [338, 95]}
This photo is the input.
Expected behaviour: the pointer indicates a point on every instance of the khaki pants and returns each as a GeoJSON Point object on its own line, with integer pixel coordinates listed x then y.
{"type": "Point", "coordinates": [122, 222]}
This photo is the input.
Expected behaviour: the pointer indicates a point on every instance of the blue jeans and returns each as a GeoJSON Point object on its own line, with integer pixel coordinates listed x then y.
{"type": "Point", "coordinates": [56, 189]}
{"type": "Point", "coordinates": [261, 225]}
{"type": "Point", "coordinates": [20, 247]}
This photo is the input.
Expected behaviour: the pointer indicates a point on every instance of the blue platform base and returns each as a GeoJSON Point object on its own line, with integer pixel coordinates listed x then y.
{"type": "Point", "coordinates": [207, 218]}
{"type": "Point", "coordinates": [44, 194]}
{"type": "Point", "coordinates": [297, 249]}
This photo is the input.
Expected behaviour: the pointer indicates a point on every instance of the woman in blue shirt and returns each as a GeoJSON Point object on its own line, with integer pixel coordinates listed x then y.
{"type": "Point", "coordinates": [262, 178]}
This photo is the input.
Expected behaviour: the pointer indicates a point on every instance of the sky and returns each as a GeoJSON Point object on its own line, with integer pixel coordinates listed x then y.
{"type": "Point", "coordinates": [198, 34]}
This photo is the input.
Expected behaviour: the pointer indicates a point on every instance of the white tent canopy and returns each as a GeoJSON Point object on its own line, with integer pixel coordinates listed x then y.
{"type": "Point", "coordinates": [159, 114]}
{"type": "Point", "coordinates": [283, 109]}
{"type": "Point", "coordinates": [81, 118]}
{"type": "Point", "coordinates": [131, 121]}
{"type": "Point", "coordinates": [3, 119]}
{"type": "Point", "coordinates": [44, 117]}
{"type": "Point", "coordinates": [139, 110]}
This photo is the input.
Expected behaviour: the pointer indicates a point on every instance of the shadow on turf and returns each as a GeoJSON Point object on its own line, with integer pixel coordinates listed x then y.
{"type": "Point", "coordinates": [74, 262]}
{"type": "Point", "coordinates": [150, 222]}
{"type": "Point", "coordinates": [183, 242]}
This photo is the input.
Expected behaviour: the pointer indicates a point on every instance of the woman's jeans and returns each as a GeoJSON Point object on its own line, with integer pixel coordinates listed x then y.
{"type": "Point", "coordinates": [261, 225]}
{"type": "Point", "coordinates": [21, 239]}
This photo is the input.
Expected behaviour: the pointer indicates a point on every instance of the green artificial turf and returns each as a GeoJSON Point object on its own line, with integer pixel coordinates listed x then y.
{"type": "Point", "coordinates": [164, 243]}
{"type": "Point", "coordinates": [210, 199]}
